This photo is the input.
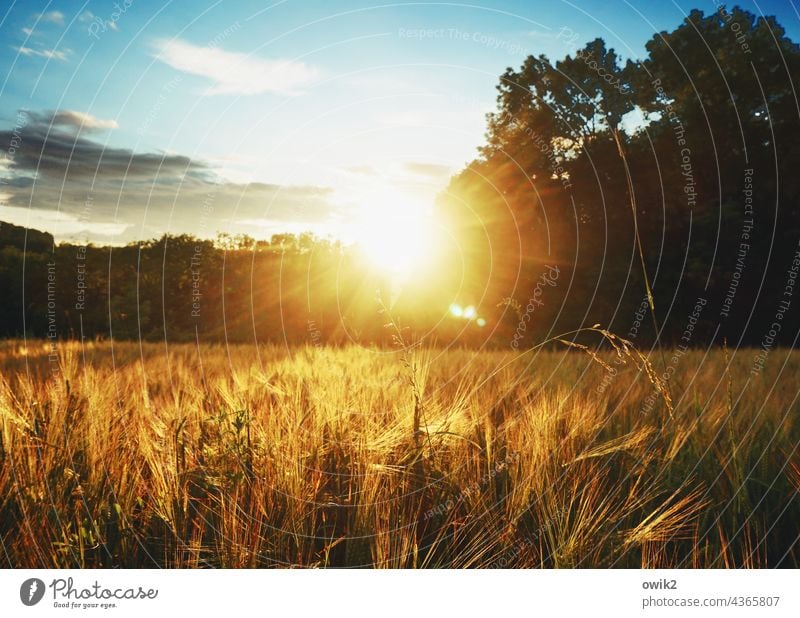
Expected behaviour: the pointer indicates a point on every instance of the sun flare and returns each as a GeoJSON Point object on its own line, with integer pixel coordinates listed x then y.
{"type": "Point", "coordinates": [398, 241]}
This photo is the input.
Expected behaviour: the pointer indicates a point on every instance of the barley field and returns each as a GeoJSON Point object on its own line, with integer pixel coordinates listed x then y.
{"type": "Point", "coordinates": [147, 455]}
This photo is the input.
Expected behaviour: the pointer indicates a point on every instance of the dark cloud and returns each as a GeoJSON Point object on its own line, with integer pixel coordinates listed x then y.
{"type": "Point", "coordinates": [150, 193]}
{"type": "Point", "coordinates": [53, 152]}
{"type": "Point", "coordinates": [19, 182]}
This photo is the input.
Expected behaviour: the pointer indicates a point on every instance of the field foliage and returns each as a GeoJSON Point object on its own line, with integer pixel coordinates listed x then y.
{"type": "Point", "coordinates": [146, 455]}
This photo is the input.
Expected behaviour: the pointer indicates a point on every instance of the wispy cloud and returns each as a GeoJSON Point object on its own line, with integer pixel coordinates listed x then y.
{"type": "Point", "coordinates": [361, 170]}
{"type": "Point", "coordinates": [72, 120]}
{"type": "Point", "coordinates": [234, 72]}
{"type": "Point", "coordinates": [68, 225]}
{"type": "Point", "coordinates": [35, 32]}
{"type": "Point", "coordinates": [429, 170]}
{"type": "Point", "coordinates": [89, 17]}
{"type": "Point", "coordinates": [53, 17]}
{"type": "Point", "coordinates": [52, 54]}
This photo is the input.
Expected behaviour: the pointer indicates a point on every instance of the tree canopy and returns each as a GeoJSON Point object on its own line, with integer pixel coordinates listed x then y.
{"type": "Point", "coordinates": [690, 148]}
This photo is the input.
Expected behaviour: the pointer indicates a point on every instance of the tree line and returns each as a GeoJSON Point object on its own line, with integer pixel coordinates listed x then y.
{"type": "Point", "coordinates": [292, 289]}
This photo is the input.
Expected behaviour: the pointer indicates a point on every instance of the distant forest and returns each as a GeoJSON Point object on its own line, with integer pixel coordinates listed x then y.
{"type": "Point", "coordinates": [678, 173]}
{"type": "Point", "coordinates": [291, 289]}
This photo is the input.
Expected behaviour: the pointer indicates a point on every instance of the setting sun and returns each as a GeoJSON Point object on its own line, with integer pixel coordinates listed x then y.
{"type": "Point", "coordinates": [397, 238]}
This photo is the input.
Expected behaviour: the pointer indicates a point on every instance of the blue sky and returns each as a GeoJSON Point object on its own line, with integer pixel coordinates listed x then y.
{"type": "Point", "coordinates": [277, 115]}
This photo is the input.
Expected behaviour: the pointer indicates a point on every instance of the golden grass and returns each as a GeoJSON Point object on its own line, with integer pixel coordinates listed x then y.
{"type": "Point", "coordinates": [245, 457]}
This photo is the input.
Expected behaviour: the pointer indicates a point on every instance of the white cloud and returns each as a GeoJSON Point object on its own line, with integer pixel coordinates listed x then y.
{"type": "Point", "coordinates": [54, 17]}
{"type": "Point", "coordinates": [73, 120]}
{"type": "Point", "coordinates": [236, 73]}
{"type": "Point", "coordinates": [27, 31]}
{"type": "Point", "coordinates": [433, 171]}
{"type": "Point", "coordinates": [88, 16]}
{"type": "Point", "coordinates": [62, 224]}
{"type": "Point", "coordinates": [52, 54]}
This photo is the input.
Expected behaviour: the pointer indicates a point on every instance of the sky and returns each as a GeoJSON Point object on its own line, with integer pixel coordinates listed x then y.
{"type": "Point", "coordinates": [122, 121]}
